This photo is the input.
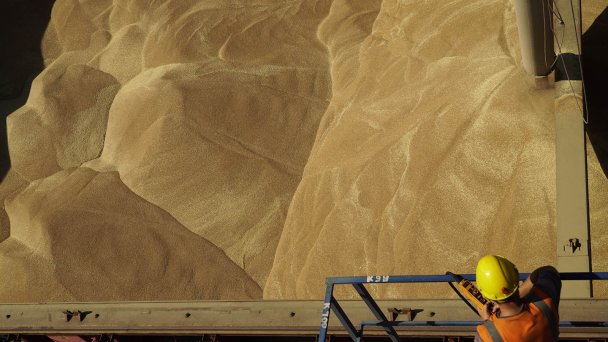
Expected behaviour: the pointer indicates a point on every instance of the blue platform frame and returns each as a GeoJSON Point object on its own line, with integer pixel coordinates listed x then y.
{"type": "Point", "coordinates": [331, 303]}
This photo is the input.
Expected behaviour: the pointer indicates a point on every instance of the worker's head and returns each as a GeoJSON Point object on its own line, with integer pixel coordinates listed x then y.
{"type": "Point", "coordinates": [497, 278]}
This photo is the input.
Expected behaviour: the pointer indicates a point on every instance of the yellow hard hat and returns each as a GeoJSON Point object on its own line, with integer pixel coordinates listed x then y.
{"type": "Point", "coordinates": [497, 278]}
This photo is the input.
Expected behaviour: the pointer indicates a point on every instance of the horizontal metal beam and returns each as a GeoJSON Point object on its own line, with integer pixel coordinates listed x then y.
{"type": "Point", "coordinates": [384, 279]}
{"type": "Point", "coordinates": [254, 317]}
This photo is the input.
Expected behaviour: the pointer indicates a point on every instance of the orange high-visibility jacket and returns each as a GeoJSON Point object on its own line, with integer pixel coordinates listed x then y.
{"type": "Point", "coordinates": [538, 321]}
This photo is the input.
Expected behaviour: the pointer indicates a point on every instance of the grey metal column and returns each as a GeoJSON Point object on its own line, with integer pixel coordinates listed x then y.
{"type": "Point", "coordinates": [573, 247]}
{"type": "Point", "coordinates": [534, 22]}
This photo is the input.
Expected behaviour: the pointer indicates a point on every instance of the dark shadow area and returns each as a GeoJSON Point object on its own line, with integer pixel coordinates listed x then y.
{"type": "Point", "coordinates": [22, 25]}
{"type": "Point", "coordinates": [595, 73]}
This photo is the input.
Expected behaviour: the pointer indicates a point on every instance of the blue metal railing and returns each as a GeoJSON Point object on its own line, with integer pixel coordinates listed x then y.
{"type": "Point", "coordinates": [331, 304]}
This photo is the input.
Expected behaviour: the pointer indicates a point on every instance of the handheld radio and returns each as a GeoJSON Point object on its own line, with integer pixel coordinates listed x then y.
{"type": "Point", "coordinates": [467, 291]}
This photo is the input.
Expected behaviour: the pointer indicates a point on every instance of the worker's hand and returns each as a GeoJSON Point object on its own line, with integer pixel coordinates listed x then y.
{"type": "Point", "coordinates": [487, 310]}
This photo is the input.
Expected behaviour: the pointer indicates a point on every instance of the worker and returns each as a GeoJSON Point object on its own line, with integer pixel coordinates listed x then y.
{"type": "Point", "coordinates": [514, 312]}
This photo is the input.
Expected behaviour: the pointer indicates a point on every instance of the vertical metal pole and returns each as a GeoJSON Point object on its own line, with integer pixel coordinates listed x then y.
{"type": "Point", "coordinates": [573, 247]}
{"type": "Point", "coordinates": [534, 22]}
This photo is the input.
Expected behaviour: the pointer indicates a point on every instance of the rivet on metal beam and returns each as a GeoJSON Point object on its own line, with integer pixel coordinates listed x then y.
{"type": "Point", "coordinates": [574, 244]}
{"type": "Point", "coordinates": [395, 312]}
{"type": "Point", "coordinates": [83, 314]}
{"type": "Point", "coordinates": [68, 315]}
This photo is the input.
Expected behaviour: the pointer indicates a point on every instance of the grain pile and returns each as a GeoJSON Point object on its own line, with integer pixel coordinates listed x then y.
{"type": "Point", "coordinates": [184, 149]}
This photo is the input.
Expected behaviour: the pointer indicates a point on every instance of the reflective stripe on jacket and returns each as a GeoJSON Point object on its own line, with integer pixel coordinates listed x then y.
{"type": "Point", "coordinates": [539, 321]}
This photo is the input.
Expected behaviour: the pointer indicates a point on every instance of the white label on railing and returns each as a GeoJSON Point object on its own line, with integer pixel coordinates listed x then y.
{"type": "Point", "coordinates": [377, 279]}
{"type": "Point", "coordinates": [325, 315]}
